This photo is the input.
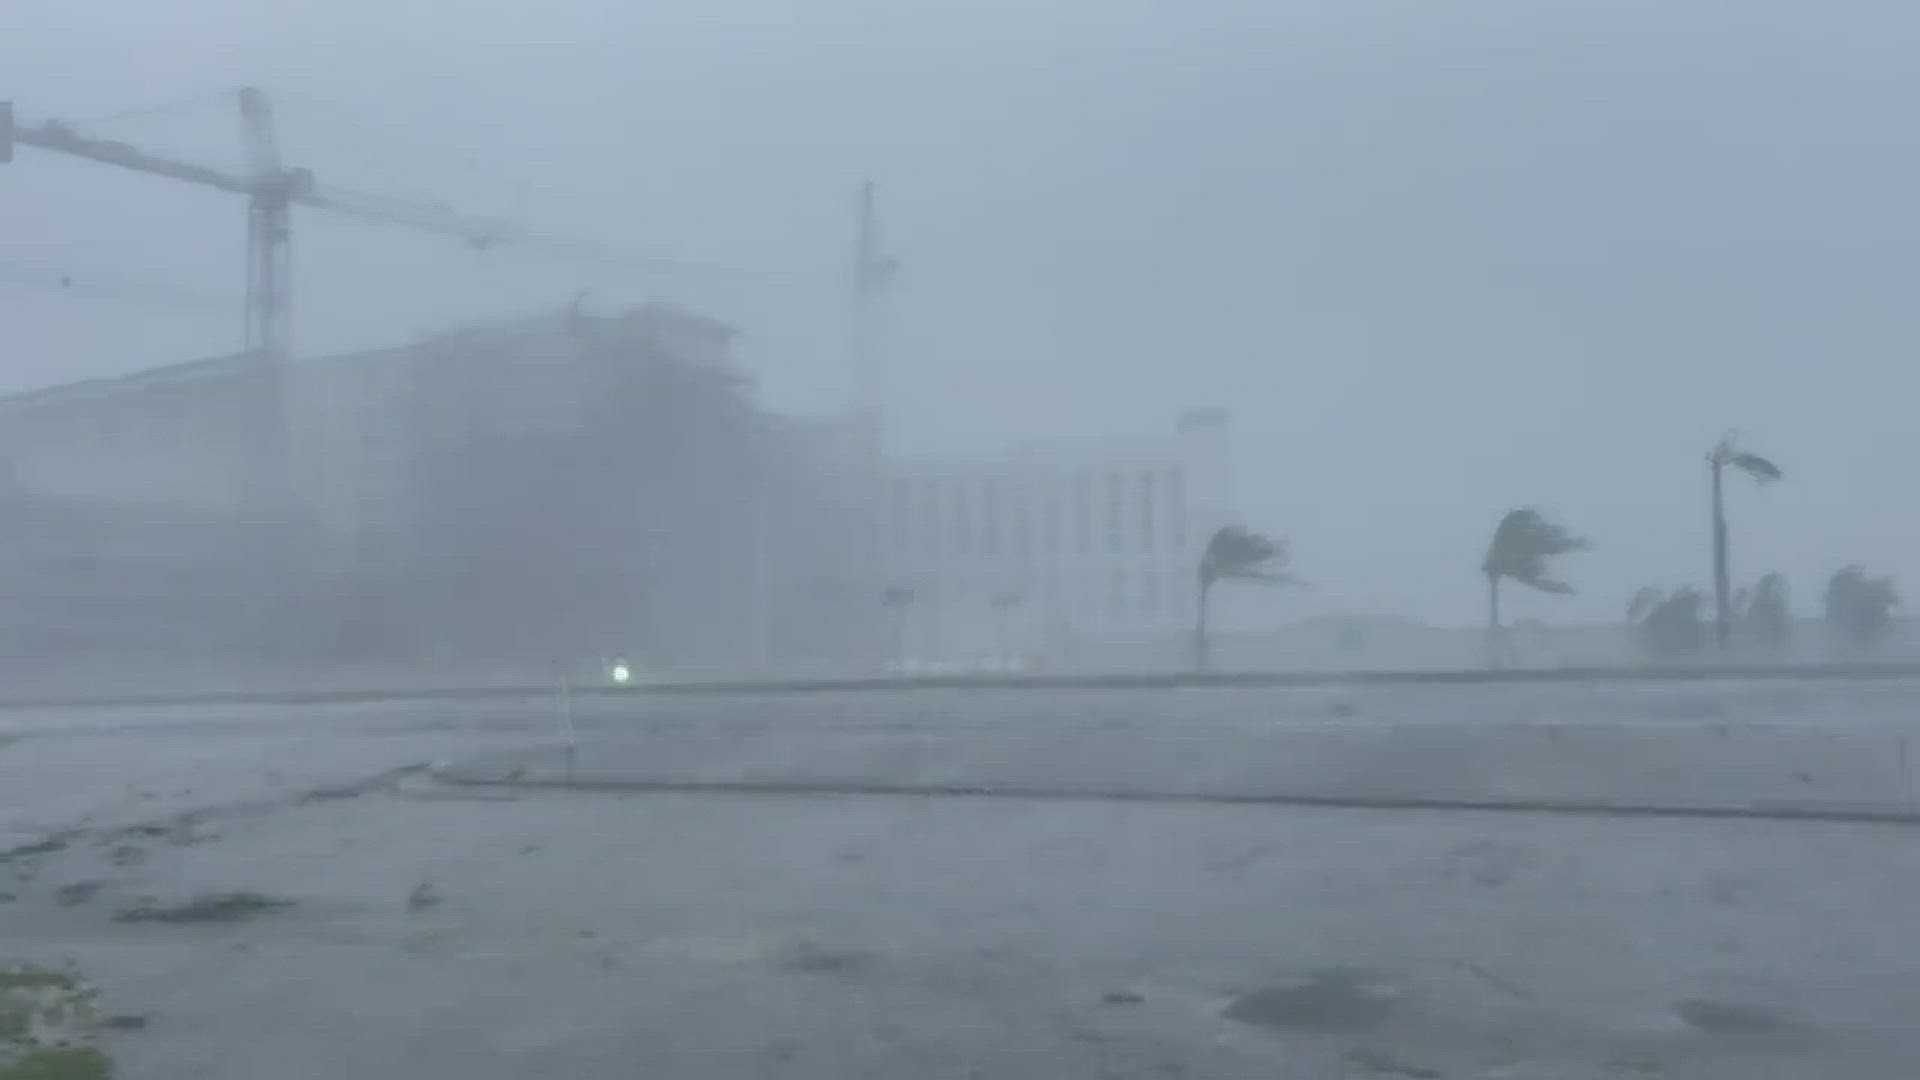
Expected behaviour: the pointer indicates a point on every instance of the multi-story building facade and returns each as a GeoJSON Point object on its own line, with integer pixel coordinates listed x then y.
{"type": "Point", "coordinates": [551, 490]}
{"type": "Point", "coordinates": [1032, 556]}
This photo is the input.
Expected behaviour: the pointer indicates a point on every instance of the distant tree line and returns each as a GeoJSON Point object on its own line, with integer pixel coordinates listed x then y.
{"type": "Point", "coordinates": [1667, 624]}
{"type": "Point", "coordinates": [1670, 625]}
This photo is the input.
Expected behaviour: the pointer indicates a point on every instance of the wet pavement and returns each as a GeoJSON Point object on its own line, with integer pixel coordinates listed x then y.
{"type": "Point", "coordinates": [406, 927]}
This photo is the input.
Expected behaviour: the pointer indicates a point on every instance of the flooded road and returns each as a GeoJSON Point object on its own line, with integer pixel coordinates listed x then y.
{"type": "Point", "coordinates": [309, 899]}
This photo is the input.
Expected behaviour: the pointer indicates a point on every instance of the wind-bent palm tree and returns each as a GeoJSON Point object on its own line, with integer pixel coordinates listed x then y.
{"type": "Point", "coordinates": [1860, 608]}
{"type": "Point", "coordinates": [1765, 615]}
{"type": "Point", "coordinates": [1522, 544]}
{"type": "Point", "coordinates": [1235, 554]}
{"type": "Point", "coordinates": [1667, 624]}
{"type": "Point", "coordinates": [1726, 452]}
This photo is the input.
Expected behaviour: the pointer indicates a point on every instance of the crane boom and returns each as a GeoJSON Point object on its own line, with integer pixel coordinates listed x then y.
{"type": "Point", "coordinates": [273, 188]}
{"type": "Point", "coordinates": [61, 139]}
{"type": "Point", "coordinates": [485, 232]}
{"type": "Point", "coordinates": [479, 231]}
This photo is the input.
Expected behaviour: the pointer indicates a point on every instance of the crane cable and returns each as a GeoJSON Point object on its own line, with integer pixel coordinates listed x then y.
{"type": "Point", "coordinates": [133, 112]}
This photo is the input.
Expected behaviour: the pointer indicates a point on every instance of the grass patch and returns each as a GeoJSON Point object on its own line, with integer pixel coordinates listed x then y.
{"type": "Point", "coordinates": [59, 1063]}
{"type": "Point", "coordinates": [47, 1015]}
{"type": "Point", "coordinates": [49, 846]}
{"type": "Point", "coordinates": [77, 893]}
{"type": "Point", "coordinates": [36, 978]}
{"type": "Point", "coordinates": [1728, 1018]}
{"type": "Point", "coordinates": [16, 1021]}
{"type": "Point", "coordinates": [216, 907]}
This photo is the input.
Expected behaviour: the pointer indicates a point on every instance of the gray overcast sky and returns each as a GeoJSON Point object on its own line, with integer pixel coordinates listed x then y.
{"type": "Point", "coordinates": [1438, 258]}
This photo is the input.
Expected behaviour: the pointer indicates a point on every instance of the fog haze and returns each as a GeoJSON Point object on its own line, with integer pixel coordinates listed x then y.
{"type": "Point", "coordinates": [1438, 260]}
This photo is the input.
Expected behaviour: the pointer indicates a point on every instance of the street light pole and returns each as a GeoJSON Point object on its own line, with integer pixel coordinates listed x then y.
{"type": "Point", "coordinates": [1722, 575]}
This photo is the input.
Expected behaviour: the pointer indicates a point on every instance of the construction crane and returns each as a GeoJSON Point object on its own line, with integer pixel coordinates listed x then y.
{"type": "Point", "coordinates": [272, 189]}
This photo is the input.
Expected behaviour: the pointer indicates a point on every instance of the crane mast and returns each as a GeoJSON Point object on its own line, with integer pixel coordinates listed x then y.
{"type": "Point", "coordinates": [269, 230]}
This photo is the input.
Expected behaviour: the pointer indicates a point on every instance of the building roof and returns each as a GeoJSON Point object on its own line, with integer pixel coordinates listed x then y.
{"type": "Point", "coordinates": [661, 323]}
{"type": "Point", "coordinates": [85, 389]}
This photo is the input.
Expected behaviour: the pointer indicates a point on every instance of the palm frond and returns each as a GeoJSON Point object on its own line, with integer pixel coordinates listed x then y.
{"type": "Point", "coordinates": [1765, 613]}
{"type": "Point", "coordinates": [1269, 577]}
{"type": "Point", "coordinates": [1668, 625]}
{"type": "Point", "coordinates": [1546, 585]}
{"type": "Point", "coordinates": [1239, 553]}
{"type": "Point", "coordinates": [1645, 599]}
{"type": "Point", "coordinates": [1684, 603]}
{"type": "Point", "coordinates": [1755, 466]}
{"type": "Point", "coordinates": [1523, 542]}
{"type": "Point", "coordinates": [1727, 452]}
{"type": "Point", "coordinates": [1770, 589]}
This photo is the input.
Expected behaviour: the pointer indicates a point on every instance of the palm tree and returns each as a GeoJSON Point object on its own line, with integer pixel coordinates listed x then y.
{"type": "Point", "coordinates": [1725, 453]}
{"type": "Point", "coordinates": [899, 599]}
{"type": "Point", "coordinates": [1522, 544]}
{"type": "Point", "coordinates": [1860, 608]}
{"type": "Point", "coordinates": [1766, 617]}
{"type": "Point", "coordinates": [1235, 554]}
{"type": "Point", "coordinates": [1667, 625]}
{"type": "Point", "coordinates": [1002, 603]}
{"type": "Point", "coordinates": [1645, 599]}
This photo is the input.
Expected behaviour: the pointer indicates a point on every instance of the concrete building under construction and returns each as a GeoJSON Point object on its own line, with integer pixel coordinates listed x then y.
{"type": "Point", "coordinates": [547, 491]}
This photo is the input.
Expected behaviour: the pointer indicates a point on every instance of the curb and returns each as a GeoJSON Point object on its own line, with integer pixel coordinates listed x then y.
{"type": "Point", "coordinates": [1832, 814]}
{"type": "Point", "coordinates": [1160, 681]}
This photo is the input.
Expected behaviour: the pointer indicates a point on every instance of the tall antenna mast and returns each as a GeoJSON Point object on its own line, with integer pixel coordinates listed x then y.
{"type": "Point", "coordinates": [871, 273]}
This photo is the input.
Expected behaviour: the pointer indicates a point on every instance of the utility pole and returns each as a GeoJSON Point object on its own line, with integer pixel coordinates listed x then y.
{"type": "Point", "coordinates": [867, 429]}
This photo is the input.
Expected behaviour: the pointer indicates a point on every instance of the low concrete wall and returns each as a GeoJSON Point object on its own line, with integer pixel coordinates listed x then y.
{"type": "Point", "coordinates": [1386, 644]}
{"type": "Point", "coordinates": [1805, 749]}
{"type": "Point", "coordinates": [345, 689]}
